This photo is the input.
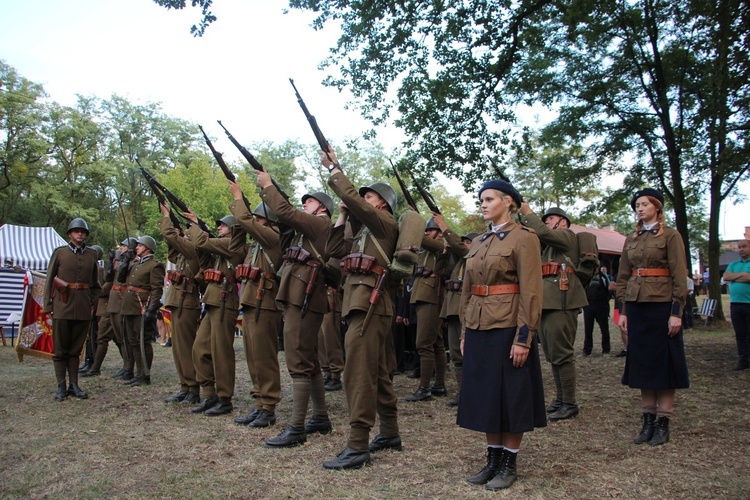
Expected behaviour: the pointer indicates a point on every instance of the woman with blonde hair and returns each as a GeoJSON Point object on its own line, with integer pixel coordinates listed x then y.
{"type": "Point", "coordinates": [501, 307]}
{"type": "Point", "coordinates": [651, 285]}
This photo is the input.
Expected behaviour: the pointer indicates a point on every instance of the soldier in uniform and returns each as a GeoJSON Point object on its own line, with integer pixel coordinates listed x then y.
{"type": "Point", "coordinates": [142, 298]}
{"type": "Point", "coordinates": [501, 390]}
{"type": "Point", "coordinates": [564, 296]}
{"type": "Point", "coordinates": [94, 328]}
{"type": "Point", "coordinates": [261, 316]}
{"type": "Point", "coordinates": [330, 352]}
{"type": "Point", "coordinates": [105, 331]}
{"type": "Point", "coordinates": [213, 349]}
{"type": "Point", "coordinates": [183, 300]}
{"type": "Point", "coordinates": [301, 294]}
{"type": "Point", "coordinates": [70, 295]}
{"type": "Point", "coordinates": [369, 312]}
{"type": "Point", "coordinates": [425, 296]}
{"type": "Point", "coordinates": [449, 311]}
{"type": "Point", "coordinates": [123, 256]}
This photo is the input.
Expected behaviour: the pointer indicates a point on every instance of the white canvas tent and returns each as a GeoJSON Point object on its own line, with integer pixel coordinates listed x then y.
{"type": "Point", "coordinates": [21, 249]}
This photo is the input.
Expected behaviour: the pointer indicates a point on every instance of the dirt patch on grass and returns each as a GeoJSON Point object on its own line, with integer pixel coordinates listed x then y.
{"type": "Point", "coordinates": [125, 442]}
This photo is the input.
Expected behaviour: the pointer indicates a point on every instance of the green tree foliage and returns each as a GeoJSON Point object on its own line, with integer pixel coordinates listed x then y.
{"type": "Point", "coordinates": [204, 5]}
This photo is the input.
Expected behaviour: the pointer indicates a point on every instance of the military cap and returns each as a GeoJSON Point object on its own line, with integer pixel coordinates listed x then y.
{"type": "Point", "coordinates": [556, 211]}
{"type": "Point", "coordinates": [323, 198]}
{"type": "Point", "coordinates": [505, 187]}
{"type": "Point", "coordinates": [654, 193]}
{"type": "Point", "coordinates": [383, 190]}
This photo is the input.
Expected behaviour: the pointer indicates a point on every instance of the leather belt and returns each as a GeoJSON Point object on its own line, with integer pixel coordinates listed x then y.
{"type": "Point", "coordinates": [654, 271]}
{"type": "Point", "coordinates": [486, 290]}
{"type": "Point", "coordinates": [119, 288]}
{"type": "Point", "coordinates": [78, 286]}
{"type": "Point", "coordinates": [138, 290]}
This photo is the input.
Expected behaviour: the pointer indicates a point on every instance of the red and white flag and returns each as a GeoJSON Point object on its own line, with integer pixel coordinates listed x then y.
{"type": "Point", "coordinates": [35, 333]}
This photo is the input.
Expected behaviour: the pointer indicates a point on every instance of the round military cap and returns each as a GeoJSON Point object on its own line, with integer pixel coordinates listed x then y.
{"type": "Point", "coordinates": [505, 187]}
{"type": "Point", "coordinates": [262, 210]}
{"type": "Point", "coordinates": [129, 242]}
{"type": "Point", "coordinates": [383, 190]}
{"type": "Point", "coordinates": [148, 242]}
{"type": "Point", "coordinates": [654, 193]}
{"type": "Point", "coordinates": [470, 236]}
{"type": "Point", "coordinates": [556, 211]}
{"type": "Point", "coordinates": [323, 198]}
{"type": "Point", "coordinates": [229, 220]}
{"type": "Point", "coordinates": [78, 223]}
{"type": "Point", "coordinates": [431, 224]}
{"type": "Point", "coordinates": [99, 251]}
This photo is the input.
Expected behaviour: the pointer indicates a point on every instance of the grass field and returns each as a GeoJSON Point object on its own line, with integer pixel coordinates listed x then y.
{"type": "Point", "coordinates": [125, 442]}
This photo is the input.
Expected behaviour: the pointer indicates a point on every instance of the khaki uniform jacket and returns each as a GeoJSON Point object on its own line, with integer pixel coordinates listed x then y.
{"type": "Point", "coordinates": [182, 253]}
{"type": "Point", "coordinates": [72, 267]}
{"type": "Point", "coordinates": [264, 252]}
{"type": "Point", "coordinates": [147, 274]}
{"type": "Point", "coordinates": [102, 303]}
{"type": "Point", "coordinates": [648, 251]}
{"type": "Point", "coordinates": [313, 230]}
{"type": "Point", "coordinates": [226, 254]}
{"type": "Point", "coordinates": [458, 250]}
{"type": "Point", "coordinates": [561, 246]}
{"type": "Point", "coordinates": [507, 257]}
{"type": "Point", "coordinates": [428, 289]}
{"type": "Point", "coordinates": [377, 225]}
{"type": "Point", "coordinates": [114, 304]}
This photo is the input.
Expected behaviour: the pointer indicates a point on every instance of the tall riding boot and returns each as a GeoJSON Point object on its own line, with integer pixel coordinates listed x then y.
{"type": "Point", "coordinates": [458, 370]}
{"type": "Point", "coordinates": [647, 432]}
{"type": "Point", "coordinates": [506, 474]}
{"type": "Point", "coordinates": [137, 359]}
{"type": "Point", "coordinates": [61, 367]}
{"type": "Point", "coordinates": [567, 373]}
{"type": "Point", "coordinates": [661, 432]}
{"type": "Point", "coordinates": [101, 352]}
{"type": "Point", "coordinates": [495, 457]}
{"type": "Point", "coordinates": [73, 370]}
{"type": "Point", "coordinates": [557, 402]}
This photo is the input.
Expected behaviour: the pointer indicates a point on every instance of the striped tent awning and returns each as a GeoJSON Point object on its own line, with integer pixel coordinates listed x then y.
{"type": "Point", "coordinates": [27, 247]}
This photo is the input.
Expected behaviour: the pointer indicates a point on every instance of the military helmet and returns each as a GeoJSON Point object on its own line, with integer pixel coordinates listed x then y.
{"type": "Point", "coordinates": [556, 211]}
{"type": "Point", "coordinates": [470, 236]}
{"type": "Point", "coordinates": [323, 198]}
{"type": "Point", "coordinates": [263, 210]}
{"type": "Point", "coordinates": [129, 242]}
{"type": "Point", "coordinates": [78, 223]}
{"type": "Point", "coordinates": [148, 242]}
{"type": "Point", "coordinates": [99, 251]}
{"type": "Point", "coordinates": [384, 190]}
{"type": "Point", "coordinates": [431, 224]}
{"type": "Point", "coordinates": [229, 220]}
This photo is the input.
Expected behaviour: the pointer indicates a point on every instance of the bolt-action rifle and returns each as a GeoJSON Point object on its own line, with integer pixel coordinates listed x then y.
{"type": "Point", "coordinates": [313, 123]}
{"type": "Point", "coordinates": [407, 196]}
{"type": "Point", "coordinates": [159, 195]}
{"type": "Point", "coordinates": [426, 196]}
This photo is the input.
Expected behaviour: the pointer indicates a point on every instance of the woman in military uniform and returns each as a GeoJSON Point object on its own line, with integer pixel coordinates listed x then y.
{"type": "Point", "coordinates": [651, 284]}
{"type": "Point", "coordinates": [501, 307]}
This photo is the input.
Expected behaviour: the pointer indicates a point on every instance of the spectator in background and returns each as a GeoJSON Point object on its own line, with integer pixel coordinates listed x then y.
{"type": "Point", "coordinates": [738, 277]}
{"type": "Point", "coordinates": [690, 303]}
{"type": "Point", "coordinates": [597, 293]}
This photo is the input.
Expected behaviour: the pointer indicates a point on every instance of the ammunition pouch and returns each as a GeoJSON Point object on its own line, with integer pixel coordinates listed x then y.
{"type": "Point", "coordinates": [176, 277]}
{"type": "Point", "coordinates": [454, 285]}
{"type": "Point", "coordinates": [423, 271]}
{"type": "Point", "coordinates": [297, 254]}
{"type": "Point", "coordinates": [244, 272]}
{"type": "Point", "coordinates": [213, 276]}
{"type": "Point", "coordinates": [358, 263]}
{"type": "Point", "coordinates": [550, 269]}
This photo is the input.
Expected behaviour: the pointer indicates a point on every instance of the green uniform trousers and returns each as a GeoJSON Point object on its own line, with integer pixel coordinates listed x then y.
{"type": "Point", "coordinates": [430, 344]}
{"type": "Point", "coordinates": [301, 341]}
{"type": "Point", "coordinates": [213, 353]}
{"type": "Point", "coordinates": [330, 352]}
{"type": "Point", "coordinates": [184, 329]}
{"type": "Point", "coordinates": [132, 325]}
{"type": "Point", "coordinates": [261, 342]}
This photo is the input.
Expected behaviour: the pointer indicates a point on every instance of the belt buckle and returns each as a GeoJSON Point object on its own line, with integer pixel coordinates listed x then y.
{"type": "Point", "coordinates": [486, 290]}
{"type": "Point", "coordinates": [638, 272]}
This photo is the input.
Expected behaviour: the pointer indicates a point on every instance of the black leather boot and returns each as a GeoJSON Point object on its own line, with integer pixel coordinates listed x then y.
{"type": "Point", "coordinates": [661, 432]}
{"type": "Point", "coordinates": [494, 460]}
{"type": "Point", "coordinates": [291, 436]}
{"type": "Point", "coordinates": [76, 391]}
{"type": "Point", "coordinates": [62, 392]}
{"type": "Point", "coordinates": [647, 432]}
{"type": "Point", "coordinates": [206, 403]}
{"type": "Point", "coordinates": [506, 474]}
{"type": "Point", "coordinates": [319, 424]}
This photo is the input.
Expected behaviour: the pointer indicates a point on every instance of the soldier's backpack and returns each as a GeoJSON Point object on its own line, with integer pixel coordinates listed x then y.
{"type": "Point", "coordinates": [410, 233]}
{"type": "Point", "coordinates": [588, 257]}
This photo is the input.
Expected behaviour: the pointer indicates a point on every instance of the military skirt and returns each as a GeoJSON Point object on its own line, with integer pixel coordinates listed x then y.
{"type": "Point", "coordinates": [655, 360]}
{"type": "Point", "coordinates": [496, 396]}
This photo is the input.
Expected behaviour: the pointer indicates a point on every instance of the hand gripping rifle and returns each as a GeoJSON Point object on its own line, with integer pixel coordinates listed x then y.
{"type": "Point", "coordinates": [313, 123]}
{"type": "Point", "coordinates": [159, 195]}
{"type": "Point", "coordinates": [250, 159]}
{"type": "Point", "coordinates": [407, 196]}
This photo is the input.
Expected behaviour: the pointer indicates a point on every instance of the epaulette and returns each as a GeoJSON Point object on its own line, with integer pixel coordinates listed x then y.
{"type": "Point", "coordinates": [527, 229]}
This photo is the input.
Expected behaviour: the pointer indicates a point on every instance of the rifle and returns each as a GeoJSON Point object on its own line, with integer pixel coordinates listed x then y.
{"type": "Point", "coordinates": [426, 196]}
{"type": "Point", "coordinates": [498, 170]}
{"type": "Point", "coordinates": [250, 159]}
{"type": "Point", "coordinates": [313, 123]}
{"type": "Point", "coordinates": [176, 202]}
{"type": "Point", "coordinates": [159, 195]}
{"type": "Point", "coordinates": [407, 196]}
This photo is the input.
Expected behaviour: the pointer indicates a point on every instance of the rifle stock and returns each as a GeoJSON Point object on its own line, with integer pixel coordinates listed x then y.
{"type": "Point", "coordinates": [407, 196]}
{"type": "Point", "coordinates": [313, 122]}
{"type": "Point", "coordinates": [250, 159]}
{"type": "Point", "coordinates": [426, 196]}
{"type": "Point", "coordinates": [159, 195]}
